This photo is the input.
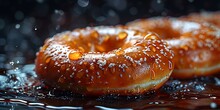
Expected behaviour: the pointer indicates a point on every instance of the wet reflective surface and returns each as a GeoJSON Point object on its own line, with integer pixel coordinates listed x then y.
{"type": "Point", "coordinates": [24, 26]}
{"type": "Point", "coordinates": [21, 89]}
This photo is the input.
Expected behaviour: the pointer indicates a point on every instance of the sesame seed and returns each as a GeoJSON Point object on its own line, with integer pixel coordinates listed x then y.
{"type": "Point", "coordinates": [87, 71]}
{"type": "Point", "coordinates": [121, 75]}
{"type": "Point", "coordinates": [111, 65]}
{"type": "Point", "coordinates": [101, 63]}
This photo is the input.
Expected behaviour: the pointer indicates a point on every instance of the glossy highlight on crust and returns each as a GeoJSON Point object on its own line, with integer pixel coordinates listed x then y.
{"type": "Point", "coordinates": [105, 60]}
{"type": "Point", "coordinates": [195, 44]}
{"type": "Point", "coordinates": [209, 17]}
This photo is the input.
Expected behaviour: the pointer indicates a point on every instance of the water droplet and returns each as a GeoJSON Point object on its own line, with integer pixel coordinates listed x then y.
{"type": "Point", "coordinates": [60, 12]}
{"type": "Point", "coordinates": [100, 48]}
{"type": "Point", "coordinates": [213, 105]}
{"type": "Point", "coordinates": [91, 67]}
{"type": "Point", "coordinates": [44, 47]}
{"type": "Point", "coordinates": [83, 3]}
{"type": "Point", "coordinates": [158, 1]}
{"type": "Point", "coordinates": [79, 74]}
{"type": "Point", "coordinates": [106, 38]}
{"type": "Point", "coordinates": [47, 60]}
{"type": "Point", "coordinates": [119, 52]}
{"type": "Point", "coordinates": [94, 34]}
{"type": "Point", "coordinates": [85, 63]}
{"type": "Point", "coordinates": [67, 69]}
{"type": "Point", "coordinates": [122, 35]}
{"type": "Point", "coordinates": [184, 47]}
{"type": "Point", "coordinates": [75, 55]}
{"type": "Point", "coordinates": [81, 49]}
{"type": "Point", "coordinates": [153, 48]}
{"type": "Point", "coordinates": [11, 63]}
{"type": "Point", "coordinates": [17, 26]}
{"type": "Point", "coordinates": [137, 33]}
{"type": "Point", "coordinates": [150, 36]}
{"type": "Point", "coordinates": [153, 75]}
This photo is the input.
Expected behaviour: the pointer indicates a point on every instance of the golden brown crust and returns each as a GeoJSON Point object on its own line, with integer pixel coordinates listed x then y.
{"type": "Point", "coordinates": [105, 60]}
{"type": "Point", "coordinates": [195, 44]}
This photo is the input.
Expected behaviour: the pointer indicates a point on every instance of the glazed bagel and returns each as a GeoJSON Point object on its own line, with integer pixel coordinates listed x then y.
{"type": "Point", "coordinates": [210, 17]}
{"type": "Point", "coordinates": [105, 60]}
{"type": "Point", "coordinates": [195, 44]}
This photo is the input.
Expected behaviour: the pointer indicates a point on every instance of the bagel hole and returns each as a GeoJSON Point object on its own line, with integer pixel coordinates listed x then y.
{"type": "Point", "coordinates": [163, 28]}
{"type": "Point", "coordinates": [166, 32]}
{"type": "Point", "coordinates": [103, 43]}
{"type": "Point", "coordinates": [172, 29]}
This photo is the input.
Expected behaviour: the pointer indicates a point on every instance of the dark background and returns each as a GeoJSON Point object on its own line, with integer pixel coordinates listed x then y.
{"type": "Point", "coordinates": [25, 24]}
